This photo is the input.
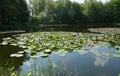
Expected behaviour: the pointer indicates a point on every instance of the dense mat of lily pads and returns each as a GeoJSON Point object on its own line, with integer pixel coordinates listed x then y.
{"type": "Point", "coordinates": [63, 42]}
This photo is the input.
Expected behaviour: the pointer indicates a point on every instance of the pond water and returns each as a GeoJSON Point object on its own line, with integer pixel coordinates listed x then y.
{"type": "Point", "coordinates": [94, 60]}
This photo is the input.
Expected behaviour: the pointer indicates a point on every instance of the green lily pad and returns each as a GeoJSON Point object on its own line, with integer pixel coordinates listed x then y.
{"type": "Point", "coordinates": [116, 55]}
{"type": "Point", "coordinates": [44, 55]}
{"type": "Point", "coordinates": [33, 52]}
{"type": "Point", "coordinates": [23, 46]}
{"type": "Point", "coordinates": [13, 44]}
{"type": "Point", "coordinates": [16, 55]}
{"type": "Point", "coordinates": [21, 52]}
{"type": "Point", "coordinates": [4, 43]}
{"type": "Point", "coordinates": [47, 51]}
{"type": "Point", "coordinates": [49, 42]}
{"type": "Point", "coordinates": [107, 54]}
{"type": "Point", "coordinates": [94, 51]}
{"type": "Point", "coordinates": [119, 74]}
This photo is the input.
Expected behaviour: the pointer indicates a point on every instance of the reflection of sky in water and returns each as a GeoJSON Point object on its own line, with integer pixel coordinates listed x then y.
{"type": "Point", "coordinates": [86, 65]}
{"type": "Point", "coordinates": [101, 61]}
{"type": "Point", "coordinates": [83, 62]}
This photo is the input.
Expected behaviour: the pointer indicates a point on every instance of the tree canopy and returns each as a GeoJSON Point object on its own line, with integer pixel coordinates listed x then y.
{"type": "Point", "coordinates": [59, 12]}
{"type": "Point", "coordinates": [67, 12]}
{"type": "Point", "coordinates": [13, 11]}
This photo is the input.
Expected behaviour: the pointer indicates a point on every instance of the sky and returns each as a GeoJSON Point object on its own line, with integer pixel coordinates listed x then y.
{"type": "Point", "coordinates": [81, 1]}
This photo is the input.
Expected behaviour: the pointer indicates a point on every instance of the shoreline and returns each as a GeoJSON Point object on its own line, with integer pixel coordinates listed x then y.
{"type": "Point", "coordinates": [92, 30]}
{"type": "Point", "coordinates": [14, 31]}
{"type": "Point", "coordinates": [105, 30]}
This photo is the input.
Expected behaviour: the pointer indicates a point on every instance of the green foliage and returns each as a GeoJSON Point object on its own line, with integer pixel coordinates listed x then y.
{"type": "Point", "coordinates": [67, 12]}
{"type": "Point", "coordinates": [13, 11]}
{"type": "Point", "coordinates": [46, 69]}
{"type": "Point", "coordinates": [116, 10]}
{"type": "Point", "coordinates": [63, 42]}
{"type": "Point", "coordinates": [94, 11]}
{"type": "Point", "coordinates": [58, 12]}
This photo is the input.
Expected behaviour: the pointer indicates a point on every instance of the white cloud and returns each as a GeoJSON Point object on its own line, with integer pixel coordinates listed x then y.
{"type": "Point", "coordinates": [101, 61]}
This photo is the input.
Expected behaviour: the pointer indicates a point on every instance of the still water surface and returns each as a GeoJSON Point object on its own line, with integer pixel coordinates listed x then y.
{"type": "Point", "coordinates": [84, 64]}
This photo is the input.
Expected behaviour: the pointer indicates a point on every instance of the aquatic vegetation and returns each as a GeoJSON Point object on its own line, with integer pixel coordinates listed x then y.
{"type": "Point", "coordinates": [63, 42]}
{"type": "Point", "coordinates": [46, 69]}
{"type": "Point", "coordinates": [49, 68]}
{"type": "Point", "coordinates": [44, 55]}
{"type": "Point", "coordinates": [16, 55]}
{"type": "Point", "coordinates": [116, 55]}
{"type": "Point", "coordinates": [107, 54]}
{"type": "Point", "coordinates": [1, 71]}
{"type": "Point", "coordinates": [118, 74]}
{"type": "Point", "coordinates": [117, 49]}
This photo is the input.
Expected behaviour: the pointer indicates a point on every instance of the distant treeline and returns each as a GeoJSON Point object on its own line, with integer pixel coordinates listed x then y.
{"type": "Point", "coordinates": [67, 12]}
{"type": "Point", "coordinates": [58, 12]}
{"type": "Point", "coordinates": [13, 11]}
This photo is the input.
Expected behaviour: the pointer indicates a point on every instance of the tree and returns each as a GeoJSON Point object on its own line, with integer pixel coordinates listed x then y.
{"type": "Point", "coordinates": [116, 10]}
{"type": "Point", "coordinates": [94, 11]}
{"type": "Point", "coordinates": [13, 11]}
{"type": "Point", "coordinates": [78, 16]}
{"type": "Point", "coordinates": [108, 15]}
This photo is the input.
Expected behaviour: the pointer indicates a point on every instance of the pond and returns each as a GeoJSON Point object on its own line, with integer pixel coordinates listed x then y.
{"type": "Point", "coordinates": [60, 54]}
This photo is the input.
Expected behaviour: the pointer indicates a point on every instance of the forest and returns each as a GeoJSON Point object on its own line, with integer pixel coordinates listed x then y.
{"type": "Point", "coordinates": [35, 12]}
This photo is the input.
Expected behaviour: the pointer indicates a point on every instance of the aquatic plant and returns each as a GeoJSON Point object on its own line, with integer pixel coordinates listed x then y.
{"type": "Point", "coordinates": [49, 68]}
{"type": "Point", "coordinates": [62, 43]}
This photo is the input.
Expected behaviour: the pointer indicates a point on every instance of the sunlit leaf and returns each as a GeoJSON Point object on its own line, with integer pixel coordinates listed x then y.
{"type": "Point", "coordinates": [44, 55]}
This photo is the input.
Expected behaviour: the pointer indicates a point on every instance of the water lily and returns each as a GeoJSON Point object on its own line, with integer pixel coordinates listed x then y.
{"type": "Point", "coordinates": [47, 51]}
{"type": "Point", "coordinates": [16, 55]}
{"type": "Point", "coordinates": [54, 42]}
{"type": "Point", "coordinates": [4, 43]}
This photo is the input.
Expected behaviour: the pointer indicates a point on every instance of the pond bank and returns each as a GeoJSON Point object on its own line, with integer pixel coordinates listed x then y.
{"type": "Point", "coordinates": [95, 30]}
{"type": "Point", "coordinates": [15, 31]}
{"type": "Point", "coordinates": [105, 30]}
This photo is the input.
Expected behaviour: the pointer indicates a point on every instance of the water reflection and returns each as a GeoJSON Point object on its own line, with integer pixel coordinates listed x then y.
{"type": "Point", "coordinates": [6, 60]}
{"type": "Point", "coordinates": [101, 61]}
{"type": "Point", "coordinates": [84, 63]}
{"type": "Point", "coordinates": [80, 64]}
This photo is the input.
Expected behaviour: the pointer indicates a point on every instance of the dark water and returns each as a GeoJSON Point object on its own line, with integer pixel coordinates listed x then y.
{"type": "Point", "coordinates": [84, 64]}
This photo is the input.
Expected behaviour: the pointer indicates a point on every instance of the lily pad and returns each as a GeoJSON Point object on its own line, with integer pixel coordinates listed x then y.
{"type": "Point", "coordinates": [16, 55]}
{"type": "Point", "coordinates": [44, 55]}
{"type": "Point", "coordinates": [21, 52]}
{"type": "Point", "coordinates": [107, 54]}
{"type": "Point", "coordinates": [49, 42]}
{"type": "Point", "coordinates": [4, 43]}
{"type": "Point", "coordinates": [19, 55]}
{"type": "Point", "coordinates": [119, 74]}
{"type": "Point", "coordinates": [94, 51]}
{"type": "Point", "coordinates": [33, 52]}
{"type": "Point", "coordinates": [47, 51]}
{"type": "Point", "coordinates": [14, 44]}
{"type": "Point", "coordinates": [116, 55]}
